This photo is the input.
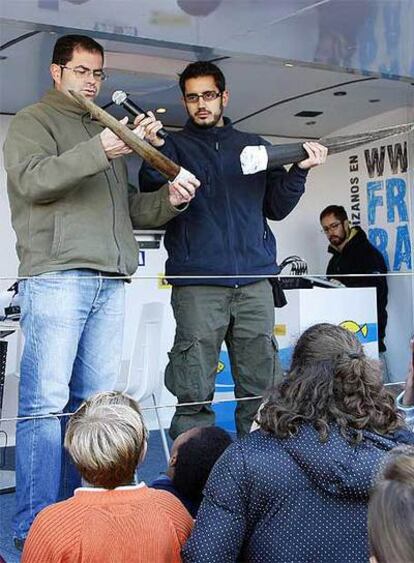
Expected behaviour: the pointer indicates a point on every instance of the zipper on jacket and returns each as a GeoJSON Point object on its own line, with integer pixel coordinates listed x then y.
{"type": "Point", "coordinates": [114, 171]}
{"type": "Point", "coordinates": [112, 200]}
{"type": "Point", "coordinates": [266, 237]}
{"type": "Point", "coordinates": [187, 243]}
{"type": "Point", "coordinates": [208, 190]}
{"type": "Point", "coordinates": [229, 214]}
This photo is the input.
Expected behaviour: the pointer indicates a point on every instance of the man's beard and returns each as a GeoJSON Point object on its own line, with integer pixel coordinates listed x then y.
{"type": "Point", "coordinates": [337, 241]}
{"type": "Point", "coordinates": [210, 124]}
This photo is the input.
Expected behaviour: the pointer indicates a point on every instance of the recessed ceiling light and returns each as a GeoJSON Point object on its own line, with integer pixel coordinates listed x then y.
{"type": "Point", "coordinates": [310, 123]}
{"type": "Point", "coordinates": [161, 110]}
{"type": "Point", "coordinates": [374, 100]}
{"type": "Point", "coordinates": [339, 93]}
{"type": "Point", "coordinates": [308, 113]}
{"type": "Point", "coordinates": [289, 65]}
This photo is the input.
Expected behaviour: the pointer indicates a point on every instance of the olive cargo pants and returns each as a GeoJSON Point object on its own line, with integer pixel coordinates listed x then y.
{"type": "Point", "coordinates": [207, 315]}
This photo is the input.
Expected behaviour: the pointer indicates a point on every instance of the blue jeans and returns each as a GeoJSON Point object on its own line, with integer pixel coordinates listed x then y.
{"type": "Point", "coordinates": [72, 322]}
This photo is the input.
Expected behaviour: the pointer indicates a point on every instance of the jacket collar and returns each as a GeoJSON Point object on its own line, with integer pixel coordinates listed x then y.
{"type": "Point", "coordinates": [61, 102]}
{"type": "Point", "coordinates": [213, 132]}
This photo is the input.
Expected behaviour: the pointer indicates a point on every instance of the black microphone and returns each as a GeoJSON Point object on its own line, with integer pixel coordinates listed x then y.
{"type": "Point", "coordinates": [120, 98]}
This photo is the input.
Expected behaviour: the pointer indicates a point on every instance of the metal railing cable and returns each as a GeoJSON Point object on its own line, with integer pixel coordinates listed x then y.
{"type": "Point", "coordinates": [146, 408]}
{"type": "Point", "coordinates": [213, 277]}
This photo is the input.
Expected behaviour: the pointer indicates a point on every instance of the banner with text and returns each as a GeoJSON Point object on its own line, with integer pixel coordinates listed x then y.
{"type": "Point", "coordinates": [379, 200]}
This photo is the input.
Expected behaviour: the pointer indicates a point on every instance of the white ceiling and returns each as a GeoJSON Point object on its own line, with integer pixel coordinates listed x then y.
{"type": "Point", "coordinates": [255, 83]}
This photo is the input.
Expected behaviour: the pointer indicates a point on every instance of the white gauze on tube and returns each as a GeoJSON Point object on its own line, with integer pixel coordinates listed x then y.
{"type": "Point", "coordinates": [183, 175]}
{"type": "Point", "coordinates": [254, 159]}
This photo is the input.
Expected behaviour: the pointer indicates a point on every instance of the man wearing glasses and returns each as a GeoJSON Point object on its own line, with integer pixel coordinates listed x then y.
{"type": "Point", "coordinates": [223, 250]}
{"type": "Point", "coordinates": [73, 217]}
{"type": "Point", "coordinates": [352, 253]}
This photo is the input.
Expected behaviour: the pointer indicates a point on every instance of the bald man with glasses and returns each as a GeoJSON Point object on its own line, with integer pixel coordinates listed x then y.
{"type": "Point", "coordinates": [221, 252]}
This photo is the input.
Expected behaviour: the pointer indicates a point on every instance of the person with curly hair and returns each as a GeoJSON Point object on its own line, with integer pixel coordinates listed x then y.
{"type": "Point", "coordinates": [297, 488]}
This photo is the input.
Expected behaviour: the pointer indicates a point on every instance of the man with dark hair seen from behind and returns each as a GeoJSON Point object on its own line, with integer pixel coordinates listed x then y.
{"type": "Point", "coordinates": [73, 218]}
{"type": "Point", "coordinates": [193, 455]}
{"type": "Point", "coordinates": [225, 239]}
{"type": "Point", "coordinates": [352, 253]}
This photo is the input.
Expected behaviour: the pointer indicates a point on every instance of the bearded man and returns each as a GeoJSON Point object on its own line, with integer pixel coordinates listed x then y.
{"type": "Point", "coordinates": [223, 250]}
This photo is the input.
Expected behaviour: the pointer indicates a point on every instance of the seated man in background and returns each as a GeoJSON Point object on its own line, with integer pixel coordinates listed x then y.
{"type": "Point", "coordinates": [391, 510]}
{"type": "Point", "coordinates": [111, 518]}
{"type": "Point", "coordinates": [352, 253]}
{"type": "Point", "coordinates": [193, 456]}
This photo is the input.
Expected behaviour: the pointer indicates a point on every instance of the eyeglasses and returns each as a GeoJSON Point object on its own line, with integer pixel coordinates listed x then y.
{"type": "Point", "coordinates": [331, 227]}
{"type": "Point", "coordinates": [81, 71]}
{"type": "Point", "coordinates": [208, 96]}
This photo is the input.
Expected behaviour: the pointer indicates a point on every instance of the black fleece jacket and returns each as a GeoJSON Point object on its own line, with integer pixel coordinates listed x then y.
{"type": "Point", "coordinates": [359, 256]}
{"type": "Point", "coordinates": [224, 230]}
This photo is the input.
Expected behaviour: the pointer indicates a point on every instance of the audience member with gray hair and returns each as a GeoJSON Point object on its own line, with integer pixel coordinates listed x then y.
{"type": "Point", "coordinates": [111, 518]}
{"type": "Point", "coordinates": [106, 439]}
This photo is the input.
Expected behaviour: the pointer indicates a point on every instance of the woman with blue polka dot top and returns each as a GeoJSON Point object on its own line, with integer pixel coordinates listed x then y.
{"type": "Point", "coordinates": [296, 490]}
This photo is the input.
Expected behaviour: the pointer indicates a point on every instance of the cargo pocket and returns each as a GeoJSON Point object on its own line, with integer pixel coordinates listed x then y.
{"type": "Point", "coordinates": [275, 344]}
{"type": "Point", "coordinates": [277, 368]}
{"type": "Point", "coordinates": [183, 372]}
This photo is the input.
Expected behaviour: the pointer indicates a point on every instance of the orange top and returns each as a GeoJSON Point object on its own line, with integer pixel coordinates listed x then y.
{"type": "Point", "coordinates": [125, 525]}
